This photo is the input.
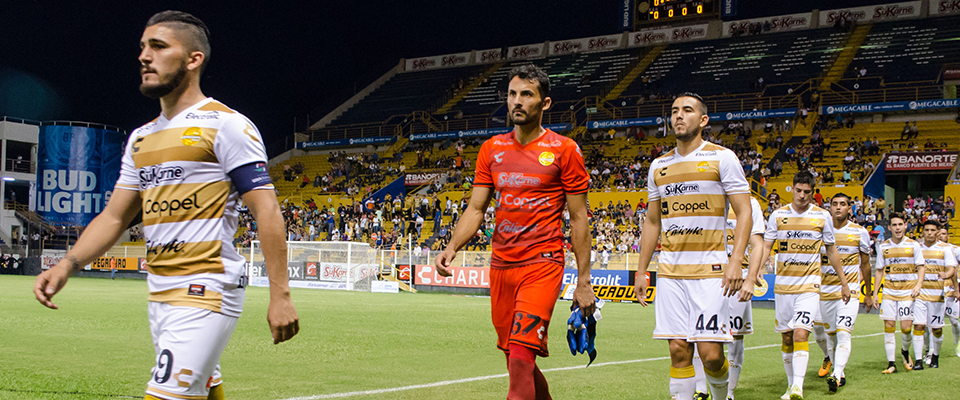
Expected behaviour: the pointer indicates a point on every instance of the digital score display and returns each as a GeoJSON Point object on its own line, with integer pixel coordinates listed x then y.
{"type": "Point", "coordinates": [674, 10]}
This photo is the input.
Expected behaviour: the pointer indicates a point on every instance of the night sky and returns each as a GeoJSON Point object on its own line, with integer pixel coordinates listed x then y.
{"type": "Point", "coordinates": [273, 61]}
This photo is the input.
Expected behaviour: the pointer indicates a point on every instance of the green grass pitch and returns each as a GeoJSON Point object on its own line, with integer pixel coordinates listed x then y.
{"type": "Point", "coordinates": [98, 346]}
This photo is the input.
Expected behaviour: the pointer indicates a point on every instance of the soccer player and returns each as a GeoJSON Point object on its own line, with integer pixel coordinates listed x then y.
{"type": "Point", "coordinates": [900, 261]}
{"type": "Point", "coordinates": [928, 308]}
{"type": "Point", "coordinates": [535, 173]}
{"type": "Point", "coordinates": [801, 229]}
{"type": "Point", "coordinates": [741, 312]}
{"type": "Point", "coordinates": [950, 291]}
{"type": "Point", "coordinates": [690, 188]}
{"type": "Point", "coordinates": [853, 244]}
{"type": "Point", "coordinates": [186, 170]}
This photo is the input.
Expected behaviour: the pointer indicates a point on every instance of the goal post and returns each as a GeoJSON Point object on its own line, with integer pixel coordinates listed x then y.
{"type": "Point", "coordinates": [320, 265]}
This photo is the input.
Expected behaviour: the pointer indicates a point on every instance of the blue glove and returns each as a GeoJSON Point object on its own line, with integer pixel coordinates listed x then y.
{"type": "Point", "coordinates": [582, 332]}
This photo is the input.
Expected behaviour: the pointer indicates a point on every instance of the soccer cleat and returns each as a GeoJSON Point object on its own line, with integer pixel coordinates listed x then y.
{"type": "Point", "coordinates": [786, 396]}
{"type": "Point", "coordinates": [918, 365]}
{"type": "Point", "coordinates": [701, 396]}
{"type": "Point", "coordinates": [935, 361]}
{"type": "Point", "coordinates": [907, 362]}
{"type": "Point", "coordinates": [958, 349]}
{"type": "Point", "coordinates": [832, 384]}
{"type": "Point", "coordinates": [825, 368]}
{"type": "Point", "coordinates": [843, 381]}
{"type": "Point", "coordinates": [891, 368]}
{"type": "Point", "coordinates": [926, 359]}
{"type": "Point", "coordinates": [796, 393]}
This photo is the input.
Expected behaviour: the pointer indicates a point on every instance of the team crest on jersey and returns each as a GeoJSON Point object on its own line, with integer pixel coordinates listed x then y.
{"type": "Point", "coordinates": [498, 157]}
{"type": "Point", "coordinates": [197, 290]}
{"type": "Point", "coordinates": [191, 136]}
{"type": "Point", "coordinates": [546, 158]}
{"type": "Point", "coordinates": [853, 238]}
{"type": "Point", "coordinates": [815, 222]}
{"type": "Point", "coordinates": [702, 166]}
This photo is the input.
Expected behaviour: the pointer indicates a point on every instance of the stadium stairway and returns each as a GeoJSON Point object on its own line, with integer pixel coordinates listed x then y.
{"type": "Point", "coordinates": [445, 108]}
{"type": "Point", "coordinates": [836, 71]}
{"type": "Point", "coordinates": [633, 74]}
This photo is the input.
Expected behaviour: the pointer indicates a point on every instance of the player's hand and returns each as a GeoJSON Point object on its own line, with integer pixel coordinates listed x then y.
{"type": "Point", "coordinates": [915, 292]}
{"type": "Point", "coordinates": [282, 317]}
{"type": "Point", "coordinates": [868, 303]}
{"type": "Point", "coordinates": [760, 281]}
{"type": "Point", "coordinates": [443, 262]}
{"type": "Point", "coordinates": [845, 293]}
{"type": "Point", "coordinates": [49, 283]}
{"type": "Point", "coordinates": [640, 288]}
{"type": "Point", "coordinates": [876, 301]}
{"type": "Point", "coordinates": [746, 292]}
{"type": "Point", "coordinates": [944, 275]}
{"type": "Point", "coordinates": [732, 279]}
{"type": "Point", "coordinates": [584, 298]}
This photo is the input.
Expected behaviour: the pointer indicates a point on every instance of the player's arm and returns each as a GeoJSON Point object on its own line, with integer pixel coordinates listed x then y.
{"type": "Point", "coordinates": [834, 256]}
{"type": "Point", "coordinates": [921, 270]}
{"type": "Point", "coordinates": [868, 302]}
{"type": "Point", "coordinates": [281, 315]}
{"type": "Point", "coordinates": [102, 233]}
{"type": "Point", "coordinates": [733, 274]}
{"type": "Point", "coordinates": [754, 276]}
{"type": "Point", "coordinates": [467, 225]}
{"type": "Point", "coordinates": [648, 243]}
{"type": "Point", "coordinates": [580, 240]}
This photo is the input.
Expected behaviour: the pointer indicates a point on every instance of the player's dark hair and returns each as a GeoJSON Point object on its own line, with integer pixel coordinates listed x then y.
{"type": "Point", "coordinates": [841, 194]}
{"type": "Point", "coordinates": [197, 35]}
{"type": "Point", "coordinates": [530, 72]}
{"type": "Point", "coordinates": [898, 216]}
{"type": "Point", "coordinates": [702, 105]}
{"type": "Point", "coordinates": [936, 224]}
{"type": "Point", "coordinates": [804, 177]}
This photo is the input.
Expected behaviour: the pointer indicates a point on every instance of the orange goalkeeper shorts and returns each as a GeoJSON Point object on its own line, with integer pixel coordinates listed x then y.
{"type": "Point", "coordinates": [521, 304]}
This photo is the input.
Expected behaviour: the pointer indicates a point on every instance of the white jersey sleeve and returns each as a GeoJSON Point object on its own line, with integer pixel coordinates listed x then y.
{"type": "Point", "coordinates": [864, 241]}
{"type": "Point", "coordinates": [880, 262]}
{"type": "Point", "coordinates": [771, 234]}
{"type": "Point", "coordinates": [238, 143]}
{"type": "Point", "coordinates": [918, 254]}
{"type": "Point", "coordinates": [731, 174]}
{"type": "Point", "coordinates": [653, 191]}
{"type": "Point", "coordinates": [129, 179]}
{"type": "Point", "coordinates": [757, 215]}
{"type": "Point", "coordinates": [829, 237]}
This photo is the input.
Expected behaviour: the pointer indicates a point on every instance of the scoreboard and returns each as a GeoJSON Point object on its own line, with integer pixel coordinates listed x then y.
{"type": "Point", "coordinates": [665, 11]}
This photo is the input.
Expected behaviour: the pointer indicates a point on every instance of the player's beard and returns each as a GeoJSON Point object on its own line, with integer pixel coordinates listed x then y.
{"type": "Point", "coordinates": [524, 118]}
{"type": "Point", "coordinates": [168, 83]}
{"type": "Point", "coordinates": [690, 134]}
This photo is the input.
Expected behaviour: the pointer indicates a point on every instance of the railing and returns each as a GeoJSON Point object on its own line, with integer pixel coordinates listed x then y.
{"type": "Point", "coordinates": [883, 95]}
{"type": "Point", "coordinates": [23, 166]}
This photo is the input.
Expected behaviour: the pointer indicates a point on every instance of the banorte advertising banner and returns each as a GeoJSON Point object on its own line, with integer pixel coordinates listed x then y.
{"type": "Point", "coordinates": [876, 13]}
{"type": "Point", "coordinates": [489, 56]}
{"type": "Point", "coordinates": [526, 52]}
{"type": "Point", "coordinates": [76, 170]}
{"type": "Point", "coordinates": [434, 62]}
{"type": "Point", "coordinates": [779, 23]}
{"type": "Point", "coordinates": [465, 277]}
{"type": "Point", "coordinates": [944, 7]}
{"type": "Point", "coordinates": [921, 161]}
{"type": "Point", "coordinates": [667, 35]}
{"type": "Point", "coordinates": [597, 43]}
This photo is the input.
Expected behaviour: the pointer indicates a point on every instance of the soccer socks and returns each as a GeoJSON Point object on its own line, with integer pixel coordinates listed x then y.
{"type": "Point", "coordinates": [955, 325]}
{"type": "Point", "coordinates": [801, 356]}
{"type": "Point", "coordinates": [936, 342]}
{"type": "Point", "coordinates": [926, 340]}
{"type": "Point", "coordinates": [832, 346]}
{"type": "Point", "coordinates": [787, 353]}
{"type": "Point", "coordinates": [905, 339]}
{"type": "Point", "coordinates": [216, 393]}
{"type": "Point", "coordinates": [719, 380]}
{"type": "Point", "coordinates": [701, 377]}
{"type": "Point", "coordinates": [844, 342]}
{"type": "Point", "coordinates": [918, 344]}
{"type": "Point", "coordinates": [521, 364]}
{"type": "Point", "coordinates": [736, 363]}
{"type": "Point", "coordinates": [682, 382]}
{"type": "Point", "coordinates": [821, 337]}
{"type": "Point", "coordinates": [540, 383]}
{"type": "Point", "coordinates": [890, 342]}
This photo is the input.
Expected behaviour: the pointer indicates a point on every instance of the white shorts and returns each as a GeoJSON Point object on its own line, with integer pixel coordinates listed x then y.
{"type": "Point", "coordinates": [951, 307]}
{"type": "Point", "coordinates": [741, 315]}
{"type": "Point", "coordinates": [188, 342]}
{"type": "Point", "coordinates": [694, 310]}
{"type": "Point", "coordinates": [839, 316]}
{"type": "Point", "coordinates": [929, 313]}
{"type": "Point", "coordinates": [893, 310]}
{"type": "Point", "coordinates": [795, 311]}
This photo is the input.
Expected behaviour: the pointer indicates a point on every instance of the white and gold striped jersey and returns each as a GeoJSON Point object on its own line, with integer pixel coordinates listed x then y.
{"type": "Point", "coordinates": [692, 191]}
{"type": "Point", "coordinates": [799, 237]}
{"type": "Point", "coordinates": [939, 257]}
{"type": "Point", "coordinates": [852, 241]}
{"type": "Point", "coordinates": [899, 262]}
{"type": "Point", "coordinates": [180, 167]}
{"type": "Point", "coordinates": [949, 283]}
{"type": "Point", "coordinates": [756, 214]}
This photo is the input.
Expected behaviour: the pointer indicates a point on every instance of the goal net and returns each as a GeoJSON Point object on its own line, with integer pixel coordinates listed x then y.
{"type": "Point", "coordinates": [320, 265]}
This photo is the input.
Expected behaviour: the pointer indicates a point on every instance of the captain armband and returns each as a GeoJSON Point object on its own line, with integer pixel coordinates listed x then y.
{"type": "Point", "coordinates": [251, 176]}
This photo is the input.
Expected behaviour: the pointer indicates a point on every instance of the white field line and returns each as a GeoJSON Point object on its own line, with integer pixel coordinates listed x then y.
{"type": "Point", "coordinates": [487, 377]}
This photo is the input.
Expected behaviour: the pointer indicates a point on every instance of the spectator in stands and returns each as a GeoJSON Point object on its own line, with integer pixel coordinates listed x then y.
{"type": "Point", "coordinates": [929, 145]}
{"type": "Point", "coordinates": [846, 175]}
{"type": "Point", "coordinates": [828, 175]}
{"type": "Point", "coordinates": [850, 122]}
{"type": "Point", "coordinates": [949, 207]}
{"type": "Point", "coordinates": [773, 196]}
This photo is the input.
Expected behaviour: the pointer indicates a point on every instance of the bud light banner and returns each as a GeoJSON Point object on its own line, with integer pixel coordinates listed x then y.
{"type": "Point", "coordinates": [625, 17]}
{"type": "Point", "coordinates": [76, 170]}
{"type": "Point", "coordinates": [728, 8]}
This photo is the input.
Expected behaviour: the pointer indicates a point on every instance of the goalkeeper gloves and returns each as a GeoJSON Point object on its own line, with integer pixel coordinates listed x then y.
{"type": "Point", "coordinates": [582, 332]}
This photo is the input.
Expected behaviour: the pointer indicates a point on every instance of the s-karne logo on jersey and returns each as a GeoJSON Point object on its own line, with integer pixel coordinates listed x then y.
{"type": "Point", "coordinates": [180, 167]}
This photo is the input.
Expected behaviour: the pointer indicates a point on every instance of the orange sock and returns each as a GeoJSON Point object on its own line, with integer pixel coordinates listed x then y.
{"type": "Point", "coordinates": [521, 365]}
